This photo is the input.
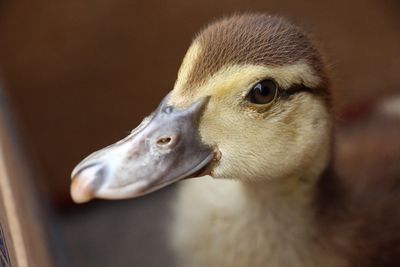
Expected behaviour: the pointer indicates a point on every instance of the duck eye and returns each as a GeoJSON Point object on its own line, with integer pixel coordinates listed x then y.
{"type": "Point", "coordinates": [263, 92]}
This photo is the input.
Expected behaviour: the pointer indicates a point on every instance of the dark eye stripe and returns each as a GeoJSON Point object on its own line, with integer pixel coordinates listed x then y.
{"type": "Point", "coordinates": [295, 89]}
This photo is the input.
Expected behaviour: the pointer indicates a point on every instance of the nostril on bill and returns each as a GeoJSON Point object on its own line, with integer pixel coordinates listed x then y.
{"type": "Point", "coordinates": [167, 141]}
{"type": "Point", "coordinates": [86, 181]}
{"type": "Point", "coordinates": [164, 141]}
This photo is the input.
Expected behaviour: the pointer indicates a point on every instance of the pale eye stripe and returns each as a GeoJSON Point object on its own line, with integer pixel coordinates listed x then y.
{"type": "Point", "coordinates": [238, 79]}
{"type": "Point", "coordinates": [187, 66]}
{"type": "Point", "coordinates": [242, 77]}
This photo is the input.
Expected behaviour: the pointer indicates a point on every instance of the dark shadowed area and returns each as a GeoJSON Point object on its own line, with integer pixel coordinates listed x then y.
{"type": "Point", "coordinates": [81, 74]}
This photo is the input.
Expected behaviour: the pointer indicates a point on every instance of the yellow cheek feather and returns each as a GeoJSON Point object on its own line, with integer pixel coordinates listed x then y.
{"type": "Point", "coordinates": [244, 139]}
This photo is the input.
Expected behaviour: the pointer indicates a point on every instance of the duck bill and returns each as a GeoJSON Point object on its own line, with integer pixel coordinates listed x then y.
{"type": "Point", "coordinates": [163, 149]}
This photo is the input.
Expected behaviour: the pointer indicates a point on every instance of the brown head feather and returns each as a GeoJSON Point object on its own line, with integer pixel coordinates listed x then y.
{"type": "Point", "coordinates": [252, 39]}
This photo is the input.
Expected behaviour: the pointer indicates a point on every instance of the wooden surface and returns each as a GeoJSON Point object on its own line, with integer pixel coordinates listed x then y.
{"type": "Point", "coordinates": [23, 241]}
{"type": "Point", "coordinates": [7, 255]}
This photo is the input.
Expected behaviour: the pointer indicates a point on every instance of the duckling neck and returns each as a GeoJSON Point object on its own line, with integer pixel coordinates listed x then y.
{"type": "Point", "coordinates": [289, 211]}
{"type": "Point", "coordinates": [271, 223]}
{"type": "Point", "coordinates": [286, 207]}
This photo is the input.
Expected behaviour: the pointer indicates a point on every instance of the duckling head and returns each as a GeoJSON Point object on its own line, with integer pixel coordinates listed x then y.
{"type": "Point", "coordinates": [251, 103]}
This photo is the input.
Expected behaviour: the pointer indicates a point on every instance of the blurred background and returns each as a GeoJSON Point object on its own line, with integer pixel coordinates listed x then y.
{"type": "Point", "coordinates": [79, 75]}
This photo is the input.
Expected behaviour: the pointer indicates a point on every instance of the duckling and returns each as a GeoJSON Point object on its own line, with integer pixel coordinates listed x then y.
{"type": "Point", "coordinates": [250, 114]}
